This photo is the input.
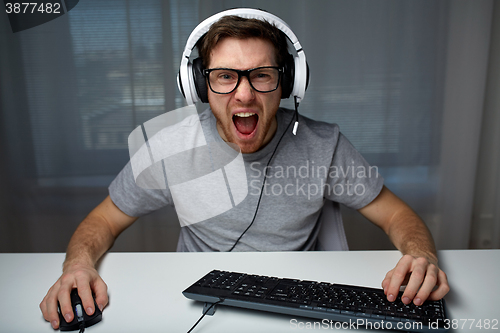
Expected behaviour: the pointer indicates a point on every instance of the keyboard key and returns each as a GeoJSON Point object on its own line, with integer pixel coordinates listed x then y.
{"type": "Point", "coordinates": [378, 316]}
{"type": "Point", "coordinates": [319, 308]}
{"type": "Point", "coordinates": [363, 315]}
{"type": "Point", "coordinates": [348, 312]}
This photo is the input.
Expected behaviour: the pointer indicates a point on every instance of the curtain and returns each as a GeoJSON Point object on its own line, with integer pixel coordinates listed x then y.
{"type": "Point", "coordinates": [410, 84]}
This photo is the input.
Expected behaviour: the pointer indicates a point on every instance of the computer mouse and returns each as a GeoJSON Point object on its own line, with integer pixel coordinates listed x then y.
{"type": "Point", "coordinates": [79, 315]}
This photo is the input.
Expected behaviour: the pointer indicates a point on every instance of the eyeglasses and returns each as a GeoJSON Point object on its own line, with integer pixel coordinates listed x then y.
{"type": "Point", "coordinates": [226, 80]}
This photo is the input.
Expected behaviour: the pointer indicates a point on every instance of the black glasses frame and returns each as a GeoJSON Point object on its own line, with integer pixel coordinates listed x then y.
{"type": "Point", "coordinates": [206, 73]}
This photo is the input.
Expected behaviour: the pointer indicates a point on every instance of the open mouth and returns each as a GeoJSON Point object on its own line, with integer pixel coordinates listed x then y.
{"type": "Point", "coordinates": [245, 122]}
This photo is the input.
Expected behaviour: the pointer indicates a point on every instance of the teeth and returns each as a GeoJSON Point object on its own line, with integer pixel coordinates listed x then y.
{"type": "Point", "coordinates": [244, 114]}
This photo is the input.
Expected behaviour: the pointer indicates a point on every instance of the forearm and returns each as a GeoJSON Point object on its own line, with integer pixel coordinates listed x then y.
{"type": "Point", "coordinates": [411, 236]}
{"type": "Point", "coordinates": [90, 241]}
{"type": "Point", "coordinates": [96, 234]}
{"type": "Point", "coordinates": [403, 226]}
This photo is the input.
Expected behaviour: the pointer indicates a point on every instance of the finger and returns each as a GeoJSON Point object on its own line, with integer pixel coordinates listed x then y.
{"type": "Point", "coordinates": [101, 293]}
{"type": "Point", "coordinates": [85, 294]}
{"type": "Point", "coordinates": [49, 306]}
{"type": "Point", "coordinates": [398, 276]}
{"type": "Point", "coordinates": [427, 286]}
{"type": "Point", "coordinates": [64, 299]}
{"type": "Point", "coordinates": [386, 281]}
{"type": "Point", "coordinates": [442, 289]}
{"type": "Point", "coordinates": [51, 313]}
{"type": "Point", "coordinates": [43, 308]}
{"type": "Point", "coordinates": [43, 304]}
{"type": "Point", "coordinates": [419, 271]}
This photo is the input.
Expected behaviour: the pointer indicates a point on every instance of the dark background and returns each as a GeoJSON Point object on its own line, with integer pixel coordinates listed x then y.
{"type": "Point", "coordinates": [412, 84]}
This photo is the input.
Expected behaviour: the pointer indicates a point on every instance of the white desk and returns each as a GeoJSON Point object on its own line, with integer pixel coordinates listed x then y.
{"type": "Point", "coordinates": [145, 289]}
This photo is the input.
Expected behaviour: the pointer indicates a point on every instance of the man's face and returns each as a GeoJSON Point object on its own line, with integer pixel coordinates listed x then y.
{"type": "Point", "coordinates": [245, 117]}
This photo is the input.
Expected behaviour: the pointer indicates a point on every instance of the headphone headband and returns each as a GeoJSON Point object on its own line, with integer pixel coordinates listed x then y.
{"type": "Point", "coordinates": [248, 13]}
{"type": "Point", "coordinates": [185, 78]}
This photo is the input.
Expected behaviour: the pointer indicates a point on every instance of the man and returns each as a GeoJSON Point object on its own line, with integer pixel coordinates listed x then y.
{"type": "Point", "coordinates": [244, 110]}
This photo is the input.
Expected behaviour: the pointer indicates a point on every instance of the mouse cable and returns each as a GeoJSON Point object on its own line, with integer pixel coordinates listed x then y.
{"type": "Point", "coordinates": [82, 327]}
{"type": "Point", "coordinates": [206, 311]}
{"type": "Point", "coordinates": [267, 168]}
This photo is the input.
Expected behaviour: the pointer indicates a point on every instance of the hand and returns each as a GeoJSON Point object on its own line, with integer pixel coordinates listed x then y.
{"type": "Point", "coordinates": [423, 279]}
{"type": "Point", "coordinates": [87, 280]}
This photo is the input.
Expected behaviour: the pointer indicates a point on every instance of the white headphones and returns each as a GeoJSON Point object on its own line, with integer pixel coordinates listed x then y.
{"type": "Point", "coordinates": [186, 79]}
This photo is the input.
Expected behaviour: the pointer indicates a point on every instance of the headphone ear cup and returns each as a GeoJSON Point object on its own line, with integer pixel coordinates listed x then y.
{"type": "Point", "coordinates": [288, 77]}
{"type": "Point", "coordinates": [307, 75]}
{"type": "Point", "coordinates": [200, 81]}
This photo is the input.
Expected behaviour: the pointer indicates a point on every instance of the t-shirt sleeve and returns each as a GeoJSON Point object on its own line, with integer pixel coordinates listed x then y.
{"type": "Point", "coordinates": [351, 180]}
{"type": "Point", "coordinates": [134, 200]}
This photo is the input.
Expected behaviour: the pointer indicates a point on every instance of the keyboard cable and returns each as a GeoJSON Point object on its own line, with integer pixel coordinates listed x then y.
{"type": "Point", "coordinates": [206, 311]}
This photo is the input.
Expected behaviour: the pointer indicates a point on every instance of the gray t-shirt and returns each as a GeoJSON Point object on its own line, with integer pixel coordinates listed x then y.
{"type": "Point", "coordinates": [315, 165]}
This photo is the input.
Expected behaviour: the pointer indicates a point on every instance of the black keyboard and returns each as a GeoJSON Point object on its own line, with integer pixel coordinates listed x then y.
{"type": "Point", "coordinates": [339, 306]}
